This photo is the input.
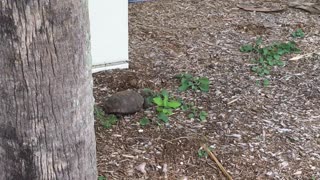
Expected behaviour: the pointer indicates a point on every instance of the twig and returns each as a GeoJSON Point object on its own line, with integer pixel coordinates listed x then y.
{"type": "Point", "coordinates": [213, 157]}
{"type": "Point", "coordinates": [232, 101]}
{"type": "Point", "coordinates": [129, 156]}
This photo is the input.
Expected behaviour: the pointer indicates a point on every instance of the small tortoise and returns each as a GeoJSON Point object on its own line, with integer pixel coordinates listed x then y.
{"type": "Point", "coordinates": [124, 102]}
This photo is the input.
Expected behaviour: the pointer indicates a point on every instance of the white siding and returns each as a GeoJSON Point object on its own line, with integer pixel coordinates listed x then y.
{"type": "Point", "coordinates": [109, 34]}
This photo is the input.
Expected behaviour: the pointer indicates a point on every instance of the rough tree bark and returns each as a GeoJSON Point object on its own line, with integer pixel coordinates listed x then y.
{"type": "Point", "coordinates": [46, 102]}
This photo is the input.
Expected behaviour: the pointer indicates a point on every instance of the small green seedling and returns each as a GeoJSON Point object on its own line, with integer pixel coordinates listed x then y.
{"type": "Point", "coordinates": [144, 121]}
{"type": "Point", "coordinates": [102, 178]}
{"type": "Point", "coordinates": [184, 107]}
{"type": "Point", "coordinates": [202, 153]}
{"type": "Point", "coordinates": [194, 83]}
{"type": "Point", "coordinates": [268, 56]}
{"type": "Point", "coordinates": [163, 117]}
{"type": "Point", "coordinates": [109, 121]}
{"type": "Point", "coordinates": [298, 34]}
{"type": "Point", "coordinates": [246, 48]}
{"type": "Point", "coordinates": [106, 121]}
{"type": "Point", "coordinates": [203, 115]}
{"type": "Point", "coordinates": [191, 115]}
{"type": "Point", "coordinates": [165, 105]}
{"type": "Point", "coordinates": [194, 112]}
{"type": "Point", "coordinates": [266, 82]}
{"type": "Point", "coordinates": [187, 106]}
{"type": "Point", "coordinates": [98, 113]}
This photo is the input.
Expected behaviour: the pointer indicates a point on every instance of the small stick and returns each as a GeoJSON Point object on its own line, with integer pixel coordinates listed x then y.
{"type": "Point", "coordinates": [213, 157]}
{"type": "Point", "coordinates": [233, 101]}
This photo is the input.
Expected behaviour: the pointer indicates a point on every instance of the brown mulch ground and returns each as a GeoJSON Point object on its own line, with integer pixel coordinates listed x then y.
{"type": "Point", "coordinates": [256, 132]}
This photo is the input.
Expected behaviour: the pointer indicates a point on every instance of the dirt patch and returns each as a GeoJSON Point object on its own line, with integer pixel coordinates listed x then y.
{"type": "Point", "coordinates": [252, 29]}
{"type": "Point", "coordinates": [256, 132]}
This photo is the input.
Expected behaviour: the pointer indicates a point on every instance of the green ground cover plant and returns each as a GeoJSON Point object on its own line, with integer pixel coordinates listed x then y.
{"type": "Point", "coordinates": [268, 56]}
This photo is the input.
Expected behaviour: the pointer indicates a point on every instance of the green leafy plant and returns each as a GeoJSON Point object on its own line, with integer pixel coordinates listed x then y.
{"type": "Point", "coordinates": [165, 105]}
{"type": "Point", "coordinates": [194, 83]}
{"type": "Point", "coordinates": [268, 56]}
{"type": "Point", "coordinates": [102, 178]}
{"type": "Point", "coordinates": [144, 121]}
{"type": "Point", "coordinates": [203, 115]}
{"type": "Point", "coordinates": [266, 82]}
{"type": "Point", "coordinates": [163, 117]}
{"type": "Point", "coordinates": [106, 120]}
{"type": "Point", "coordinates": [298, 33]}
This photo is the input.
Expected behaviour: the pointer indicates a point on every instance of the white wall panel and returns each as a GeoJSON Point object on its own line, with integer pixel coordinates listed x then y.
{"type": "Point", "coordinates": [109, 34]}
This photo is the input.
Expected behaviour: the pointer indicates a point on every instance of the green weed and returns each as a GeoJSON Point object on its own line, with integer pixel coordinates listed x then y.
{"type": "Point", "coordinates": [165, 105]}
{"type": "Point", "coordinates": [102, 178]}
{"type": "Point", "coordinates": [298, 34]}
{"type": "Point", "coordinates": [268, 56]}
{"type": "Point", "coordinates": [106, 121]}
{"type": "Point", "coordinates": [109, 121]}
{"type": "Point", "coordinates": [194, 83]}
{"type": "Point", "coordinates": [203, 115]}
{"type": "Point", "coordinates": [144, 121]}
{"type": "Point", "coordinates": [193, 112]}
{"type": "Point", "coordinates": [202, 153]}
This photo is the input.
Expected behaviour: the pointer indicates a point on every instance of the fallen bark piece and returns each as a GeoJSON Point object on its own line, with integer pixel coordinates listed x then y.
{"type": "Point", "coordinates": [124, 102]}
{"type": "Point", "coordinates": [256, 8]}
{"type": "Point", "coordinates": [313, 8]}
